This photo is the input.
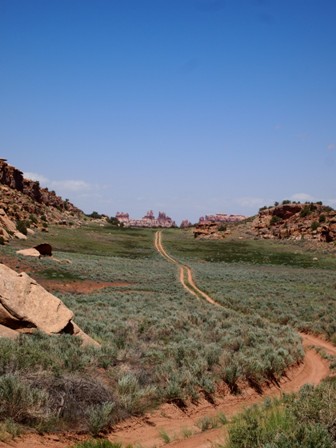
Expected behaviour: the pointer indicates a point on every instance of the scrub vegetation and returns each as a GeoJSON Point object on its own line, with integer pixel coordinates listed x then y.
{"type": "Point", "coordinates": [158, 343]}
{"type": "Point", "coordinates": [304, 420]}
{"type": "Point", "coordinates": [283, 282]}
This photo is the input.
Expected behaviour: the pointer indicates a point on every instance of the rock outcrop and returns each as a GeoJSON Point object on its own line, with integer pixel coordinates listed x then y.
{"type": "Point", "coordinates": [215, 226]}
{"type": "Point", "coordinates": [24, 204]}
{"type": "Point", "coordinates": [13, 178]}
{"type": "Point", "coordinates": [25, 305]}
{"type": "Point", "coordinates": [311, 221]}
{"type": "Point", "coordinates": [210, 230]}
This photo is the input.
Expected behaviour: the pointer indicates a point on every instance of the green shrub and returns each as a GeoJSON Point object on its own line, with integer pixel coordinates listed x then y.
{"type": "Point", "coordinates": [322, 218]}
{"type": "Point", "coordinates": [9, 430]}
{"type": "Point", "coordinates": [165, 436]}
{"type": "Point", "coordinates": [314, 225]}
{"type": "Point", "coordinates": [304, 420]}
{"type": "Point", "coordinates": [99, 417]}
{"type": "Point", "coordinates": [306, 211]}
{"type": "Point", "coordinates": [275, 220]}
{"type": "Point", "coordinates": [33, 218]}
{"type": "Point", "coordinates": [95, 215]}
{"type": "Point", "coordinates": [206, 423]}
{"type": "Point", "coordinates": [22, 227]}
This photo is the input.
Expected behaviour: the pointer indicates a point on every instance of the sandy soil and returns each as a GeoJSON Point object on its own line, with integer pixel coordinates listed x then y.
{"type": "Point", "coordinates": [174, 421]}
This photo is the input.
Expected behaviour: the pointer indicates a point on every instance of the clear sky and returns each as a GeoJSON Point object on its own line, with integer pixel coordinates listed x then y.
{"type": "Point", "coordinates": [183, 106]}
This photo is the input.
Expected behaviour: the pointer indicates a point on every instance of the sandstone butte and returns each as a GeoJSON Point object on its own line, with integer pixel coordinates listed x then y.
{"type": "Point", "coordinates": [25, 305]}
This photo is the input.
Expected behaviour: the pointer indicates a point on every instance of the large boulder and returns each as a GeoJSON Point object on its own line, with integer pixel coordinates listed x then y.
{"type": "Point", "coordinates": [25, 305]}
{"type": "Point", "coordinates": [31, 252]}
{"type": "Point", "coordinates": [8, 333]}
{"type": "Point", "coordinates": [23, 300]}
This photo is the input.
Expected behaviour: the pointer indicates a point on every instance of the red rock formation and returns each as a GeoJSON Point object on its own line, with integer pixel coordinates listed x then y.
{"type": "Point", "coordinates": [209, 230]}
{"type": "Point", "coordinates": [311, 221]}
{"type": "Point", "coordinates": [185, 224]}
{"type": "Point", "coordinates": [24, 200]}
{"type": "Point", "coordinates": [149, 215]}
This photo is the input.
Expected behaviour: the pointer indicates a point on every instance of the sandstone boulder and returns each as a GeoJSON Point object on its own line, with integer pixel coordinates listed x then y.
{"type": "Point", "coordinates": [25, 305]}
{"type": "Point", "coordinates": [6, 223]}
{"type": "Point", "coordinates": [19, 235]}
{"type": "Point", "coordinates": [29, 252]}
{"type": "Point", "coordinates": [23, 300]}
{"type": "Point", "coordinates": [6, 332]}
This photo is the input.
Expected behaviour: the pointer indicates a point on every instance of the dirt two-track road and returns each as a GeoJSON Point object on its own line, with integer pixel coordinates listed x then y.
{"type": "Point", "coordinates": [169, 419]}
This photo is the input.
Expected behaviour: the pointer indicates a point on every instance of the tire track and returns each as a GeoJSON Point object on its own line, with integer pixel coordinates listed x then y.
{"type": "Point", "coordinates": [185, 272]}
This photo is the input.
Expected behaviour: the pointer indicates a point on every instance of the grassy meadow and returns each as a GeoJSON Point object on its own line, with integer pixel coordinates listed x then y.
{"type": "Point", "coordinates": [283, 282]}
{"type": "Point", "coordinates": [159, 343]}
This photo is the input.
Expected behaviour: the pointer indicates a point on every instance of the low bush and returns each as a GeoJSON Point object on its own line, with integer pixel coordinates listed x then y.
{"type": "Point", "coordinates": [99, 417]}
{"type": "Point", "coordinates": [275, 220]}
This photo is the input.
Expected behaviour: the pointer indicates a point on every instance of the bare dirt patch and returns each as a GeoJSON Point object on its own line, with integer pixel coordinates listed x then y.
{"type": "Point", "coordinates": [78, 286]}
{"type": "Point", "coordinates": [57, 285]}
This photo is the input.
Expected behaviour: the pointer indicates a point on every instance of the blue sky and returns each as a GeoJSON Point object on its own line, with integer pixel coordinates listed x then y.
{"type": "Point", "coordinates": [185, 106]}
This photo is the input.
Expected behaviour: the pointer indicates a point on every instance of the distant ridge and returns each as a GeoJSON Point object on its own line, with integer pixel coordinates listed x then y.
{"type": "Point", "coordinates": [148, 220]}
